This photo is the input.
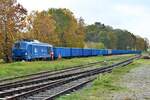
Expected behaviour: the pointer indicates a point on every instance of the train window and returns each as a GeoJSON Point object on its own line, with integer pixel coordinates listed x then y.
{"type": "Point", "coordinates": [23, 46]}
{"type": "Point", "coordinates": [20, 45]}
{"type": "Point", "coordinates": [17, 45]}
{"type": "Point", "coordinates": [42, 50]}
{"type": "Point", "coordinates": [35, 50]}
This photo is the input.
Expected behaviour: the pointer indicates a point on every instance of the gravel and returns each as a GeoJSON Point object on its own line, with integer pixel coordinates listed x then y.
{"type": "Point", "coordinates": [47, 93]}
{"type": "Point", "coordinates": [137, 82]}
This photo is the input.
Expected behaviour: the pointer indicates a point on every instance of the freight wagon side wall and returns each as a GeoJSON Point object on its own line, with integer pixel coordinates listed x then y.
{"type": "Point", "coordinates": [62, 51]}
{"type": "Point", "coordinates": [76, 52]}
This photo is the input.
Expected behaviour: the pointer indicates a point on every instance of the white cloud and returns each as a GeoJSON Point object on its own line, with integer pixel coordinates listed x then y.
{"type": "Point", "coordinates": [131, 10]}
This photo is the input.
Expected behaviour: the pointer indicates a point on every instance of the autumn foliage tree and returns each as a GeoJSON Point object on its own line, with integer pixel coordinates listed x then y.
{"type": "Point", "coordinates": [80, 33]}
{"type": "Point", "coordinates": [43, 28]}
{"type": "Point", "coordinates": [70, 31]}
{"type": "Point", "coordinates": [12, 17]}
{"type": "Point", "coordinates": [58, 27]}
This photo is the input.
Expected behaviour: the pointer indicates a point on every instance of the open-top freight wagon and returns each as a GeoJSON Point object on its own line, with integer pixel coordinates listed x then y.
{"type": "Point", "coordinates": [33, 49]}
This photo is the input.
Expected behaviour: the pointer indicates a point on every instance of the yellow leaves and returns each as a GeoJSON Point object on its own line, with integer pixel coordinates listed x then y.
{"type": "Point", "coordinates": [44, 27]}
{"type": "Point", "coordinates": [13, 21]}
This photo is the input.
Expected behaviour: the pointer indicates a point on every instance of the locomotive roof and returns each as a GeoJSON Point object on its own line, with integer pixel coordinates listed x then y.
{"type": "Point", "coordinates": [36, 42]}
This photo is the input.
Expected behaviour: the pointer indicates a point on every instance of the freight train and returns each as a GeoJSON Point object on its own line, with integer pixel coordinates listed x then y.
{"type": "Point", "coordinates": [32, 49]}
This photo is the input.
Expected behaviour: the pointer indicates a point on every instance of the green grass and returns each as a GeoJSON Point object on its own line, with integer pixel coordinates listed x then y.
{"type": "Point", "coordinates": [23, 68]}
{"type": "Point", "coordinates": [104, 84]}
{"type": "Point", "coordinates": [1, 61]}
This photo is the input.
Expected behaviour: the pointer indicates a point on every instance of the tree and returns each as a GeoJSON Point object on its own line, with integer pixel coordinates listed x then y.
{"type": "Point", "coordinates": [12, 16]}
{"type": "Point", "coordinates": [141, 43]}
{"type": "Point", "coordinates": [70, 31]}
{"type": "Point", "coordinates": [114, 38]}
{"type": "Point", "coordinates": [125, 40]}
{"type": "Point", "coordinates": [146, 44]}
{"type": "Point", "coordinates": [94, 45]}
{"type": "Point", "coordinates": [104, 38]}
{"type": "Point", "coordinates": [80, 32]}
{"type": "Point", "coordinates": [93, 32]}
{"type": "Point", "coordinates": [43, 28]}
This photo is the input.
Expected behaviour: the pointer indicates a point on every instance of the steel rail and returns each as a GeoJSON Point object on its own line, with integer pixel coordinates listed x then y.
{"type": "Point", "coordinates": [50, 71]}
{"type": "Point", "coordinates": [90, 73]}
{"type": "Point", "coordinates": [43, 79]}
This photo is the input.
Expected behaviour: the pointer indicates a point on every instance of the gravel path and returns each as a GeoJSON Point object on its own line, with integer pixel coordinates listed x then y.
{"type": "Point", "coordinates": [137, 82]}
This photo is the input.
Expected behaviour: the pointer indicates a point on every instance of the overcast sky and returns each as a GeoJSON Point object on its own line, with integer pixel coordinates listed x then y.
{"type": "Point", "coordinates": [132, 15]}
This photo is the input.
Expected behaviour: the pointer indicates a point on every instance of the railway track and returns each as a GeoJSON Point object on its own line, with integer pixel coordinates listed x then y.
{"type": "Point", "coordinates": [9, 82]}
{"type": "Point", "coordinates": [42, 77]}
{"type": "Point", "coordinates": [29, 89]}
{"type": "Point", "coordinates": [47, 72]}
{"type": "Point", "coordinates": [45, 77]}
{"type": "Point", "coordinates": [43, 73]}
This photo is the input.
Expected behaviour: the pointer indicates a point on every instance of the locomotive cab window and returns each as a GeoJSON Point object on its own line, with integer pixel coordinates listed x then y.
{"type": "Point", "coordinates": [17, 45]}
{"type": "Point", "coordinates": [23, 46]}
{"type": "Point", "coordinates": [20, 45]}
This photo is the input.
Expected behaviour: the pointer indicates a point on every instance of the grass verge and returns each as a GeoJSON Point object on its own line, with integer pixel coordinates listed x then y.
{"type": "Point", "coordinates": [104, 85]}
{"type": "Point", "coordinates": [23, 68]}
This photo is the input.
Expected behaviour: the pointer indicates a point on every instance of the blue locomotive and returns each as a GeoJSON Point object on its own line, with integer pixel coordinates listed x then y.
{"type": "Point", "coordinates": [33, 49]}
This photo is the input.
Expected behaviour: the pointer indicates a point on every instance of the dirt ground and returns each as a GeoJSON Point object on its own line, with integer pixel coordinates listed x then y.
{"type": "Point", "coordinates": [137, 84]}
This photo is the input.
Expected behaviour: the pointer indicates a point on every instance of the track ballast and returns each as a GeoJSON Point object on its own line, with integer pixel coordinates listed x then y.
{"type": "Point", "coordinates": [49, 87]}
